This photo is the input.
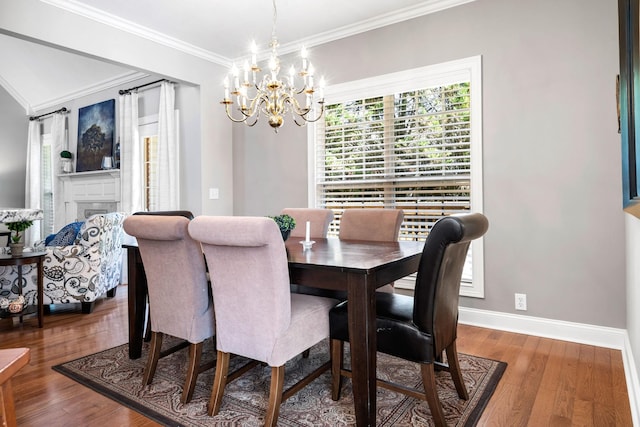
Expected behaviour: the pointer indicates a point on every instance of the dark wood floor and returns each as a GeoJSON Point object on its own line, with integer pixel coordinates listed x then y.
{"type": "Point", "coordinates": [547, 382]}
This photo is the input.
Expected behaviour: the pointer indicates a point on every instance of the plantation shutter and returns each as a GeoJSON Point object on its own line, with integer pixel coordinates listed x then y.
{"type": "Point", "coordinates": [409, 151]}
{"type": "Point", "coordinates": [47, 177]}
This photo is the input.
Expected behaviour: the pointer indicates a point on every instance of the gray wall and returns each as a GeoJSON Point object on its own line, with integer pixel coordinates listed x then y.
{"type": "Point", "coordinates": [208, 141]}
{"type": "Point", "coordinates": [552, 176]}
{"type": "Point", "coordinates": [13, 144]}
{"type": "Point", "coordinates": [552, 179]}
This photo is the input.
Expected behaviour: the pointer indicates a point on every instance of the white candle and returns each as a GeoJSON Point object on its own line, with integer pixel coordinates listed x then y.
{"type": "Point", "coordinates": [307, 232]}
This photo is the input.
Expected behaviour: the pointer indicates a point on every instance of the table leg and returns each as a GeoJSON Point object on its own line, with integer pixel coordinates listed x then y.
{"type": "Point", "coordinates": [137, 294]}
{"type": "Point", "coordinates": [20, 286]}
{"type": "Point", "coordinates": [362, 338]}
{"type": "Point", "coordinates": [40, 293]}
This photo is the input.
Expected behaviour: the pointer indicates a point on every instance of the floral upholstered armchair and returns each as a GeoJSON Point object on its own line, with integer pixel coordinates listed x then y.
{"type": "Point", "coordinates": [76, 273]}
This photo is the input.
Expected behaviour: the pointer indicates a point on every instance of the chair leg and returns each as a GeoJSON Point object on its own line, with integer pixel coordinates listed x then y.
{"type": "Point", "coordinates": [219, 381]}
{"type": "Point", "coordinates": [195, 354]}
{"type": "Point", "coordinates": [275, 396]}
{"type": "Point", "coordinates": [337, 352]}
{"type": "Point", "coordinates": [429, 381]}
{"type": "Point", "coordinates": [305, 354]}
{"type": "Point", "coordinates": [456, 373]}
{"type": "Point", "coordinates": [112, 292]}
{"type": "Point", "coordinates": [87, 307]}
{"type": "Point", "coordinates": [152, 358]}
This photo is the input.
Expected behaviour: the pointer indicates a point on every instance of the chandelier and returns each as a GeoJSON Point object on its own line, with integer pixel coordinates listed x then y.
{"type": "Point", "coordinates": [271, 94]}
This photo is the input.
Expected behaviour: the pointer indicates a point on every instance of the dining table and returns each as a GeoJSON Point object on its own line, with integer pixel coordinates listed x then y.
{"type": "Point", "coordinates": [357, 267]}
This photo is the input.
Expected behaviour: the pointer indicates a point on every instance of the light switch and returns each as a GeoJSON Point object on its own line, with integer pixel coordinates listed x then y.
{"type": "Point", "coordinates": [214, 193]}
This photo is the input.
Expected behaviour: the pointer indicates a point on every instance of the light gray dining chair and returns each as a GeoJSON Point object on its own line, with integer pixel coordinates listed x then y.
{"type": "Point", "coordinates": [373, 225]}
{"type": "Point", "coordinates": [256, 314]}
{"type": "Point", "coordinates": [318, 218]}
{"type": "Point", "coordinates": [180, 302]}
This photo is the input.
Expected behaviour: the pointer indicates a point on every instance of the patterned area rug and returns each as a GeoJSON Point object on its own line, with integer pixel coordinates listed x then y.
{"type": "Point", "coordinates": [113, 374]}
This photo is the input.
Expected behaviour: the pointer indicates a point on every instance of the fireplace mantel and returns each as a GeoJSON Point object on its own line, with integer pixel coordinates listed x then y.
{"type": "Point", "coordinates": [114, 173]}
{"type": "Point", "coordinates": [94, 189]}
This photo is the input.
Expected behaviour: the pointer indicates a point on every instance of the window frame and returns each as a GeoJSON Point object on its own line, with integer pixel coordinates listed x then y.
{"type": "Point", "coordinates": [466, 69]}
{"type": "Point", "coordinates": [628, 97]}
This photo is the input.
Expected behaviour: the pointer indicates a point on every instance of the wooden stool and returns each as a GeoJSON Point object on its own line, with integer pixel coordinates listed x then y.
{"type": "Point", "coordinates": [11, 360]}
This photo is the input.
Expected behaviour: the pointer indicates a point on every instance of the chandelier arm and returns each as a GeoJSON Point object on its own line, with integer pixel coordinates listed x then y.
{"type": "Point", "coordinates": [243, 119]}
{"type": "Point", "coordinates": [295, 107]}
{"type": "Point", "coordinates": [233, 119]}
{"type": "Point", "coordinates": [318, 117]}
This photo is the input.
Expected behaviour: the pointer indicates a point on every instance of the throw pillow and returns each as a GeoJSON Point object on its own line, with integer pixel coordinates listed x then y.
{"type": "Point", "coordinates": [67, 235]}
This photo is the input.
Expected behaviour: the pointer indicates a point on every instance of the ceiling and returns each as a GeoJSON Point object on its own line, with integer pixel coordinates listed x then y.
{"type": "Point", "coordinates": [217, 31]}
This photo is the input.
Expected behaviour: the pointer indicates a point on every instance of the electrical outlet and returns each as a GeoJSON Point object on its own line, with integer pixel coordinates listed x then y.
{"type": "Point", "coordinates": [521, 302]}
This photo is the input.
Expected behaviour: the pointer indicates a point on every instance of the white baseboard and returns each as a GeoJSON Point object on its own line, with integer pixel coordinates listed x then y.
{"type": "Point", "coordinates": [566, 331]}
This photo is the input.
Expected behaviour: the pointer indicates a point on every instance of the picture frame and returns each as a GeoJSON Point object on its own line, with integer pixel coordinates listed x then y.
{"type": "Point", "coordinates": [96, 128]}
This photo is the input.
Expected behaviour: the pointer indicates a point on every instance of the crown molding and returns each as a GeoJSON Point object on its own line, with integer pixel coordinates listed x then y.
{"type": "Point", "coordinates": [90, 12]}
{"type": "Point", "coordinates": [105, 18]}
{"type": "Point", "coordinates": [16, 95]}
{"type": "Point", "coordinates": [400, 15]}
{"type": "Point", "coordinates": [91, 89]}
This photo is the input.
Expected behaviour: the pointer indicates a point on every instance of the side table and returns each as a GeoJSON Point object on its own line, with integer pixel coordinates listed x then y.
{"type": "Point", "coordinates": [11, 361]}
{"type": "Point", "coordinates": [19, 261]}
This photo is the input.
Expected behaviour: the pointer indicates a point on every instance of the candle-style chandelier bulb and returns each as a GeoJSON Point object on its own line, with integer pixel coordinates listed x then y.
{"type": "Point", "coordinates": [270, 94]}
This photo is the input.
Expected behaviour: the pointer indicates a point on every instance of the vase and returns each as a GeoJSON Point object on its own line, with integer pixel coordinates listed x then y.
{"type": "Point", "coordinates": [285, 234]}
{"type": "Point", "coordinates": [66, 165]}
{"type": "Point", "coordinates": [16, 249]}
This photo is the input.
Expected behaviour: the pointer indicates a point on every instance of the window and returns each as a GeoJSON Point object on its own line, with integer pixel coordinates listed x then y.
{"type": "Point", "coordinates": [408, 140]}
{"type": "Point", "coordinates": [46, 184]}
{"type": "Point", "coordinates": [148, 131]}
{"type": "Point", "coordinates": [150, 144]}
{"type": "Point", "coordinates": [629, 96]}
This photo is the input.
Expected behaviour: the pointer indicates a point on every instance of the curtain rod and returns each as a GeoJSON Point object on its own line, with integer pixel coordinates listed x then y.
{"type": "Point", "coordinates": [62, 110]}
{"type": "Point", "coordinates": [128, 91]}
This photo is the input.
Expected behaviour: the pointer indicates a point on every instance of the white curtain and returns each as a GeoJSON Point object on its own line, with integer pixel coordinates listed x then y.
{"type": "Point", "coordinates": [167, 188]}
{"type": "Point", "coordinates": [131, 174]}
{"type": "Point", "coordinates": [33, 179]}
{"type": "Point", "coordinates": [58, 143]}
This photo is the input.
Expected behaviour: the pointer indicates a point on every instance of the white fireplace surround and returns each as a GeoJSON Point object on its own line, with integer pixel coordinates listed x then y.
{"type": "Point", "coordinates": [87, 193]}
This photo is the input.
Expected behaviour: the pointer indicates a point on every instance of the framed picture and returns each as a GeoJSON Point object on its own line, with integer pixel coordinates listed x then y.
{"type": "Point", "coordinates": [96, 126]}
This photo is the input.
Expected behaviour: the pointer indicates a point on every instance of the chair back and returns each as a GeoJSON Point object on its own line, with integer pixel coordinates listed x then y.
{"type": "Point", "coordinates": [184, 213]}
{"type": "Point", "coordinates": [249, 280]}
{"type": "Point", "coordinates": [176, 276]}
{"type": "Point", "coordinates": [5, 238]}
{"type": "Point", "coordinates": [436, 296]}
{"type": "Point", "coordinates": [377, 225]}
{"type": "Point", "coordinates": [102, 236]}
{"type": "Point", "coordinates": [319, 221]}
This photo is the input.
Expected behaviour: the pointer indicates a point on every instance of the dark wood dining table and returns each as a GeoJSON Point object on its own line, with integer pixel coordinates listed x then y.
{"type": "Point", "coordinates": [357, 267]}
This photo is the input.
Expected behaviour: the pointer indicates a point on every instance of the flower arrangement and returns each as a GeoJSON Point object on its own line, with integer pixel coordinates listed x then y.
{"type": "Point", "coordinates": [65, 154]}
{"type": "Point", "coordinates": [18, 229]}
{"type": "Point", "coordinates": [286, 223]}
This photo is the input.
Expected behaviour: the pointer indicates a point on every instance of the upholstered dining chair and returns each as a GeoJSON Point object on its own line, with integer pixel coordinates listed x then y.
{"type": "Point", "coordinates": [318, 218]}
{"type": "Point", "coordinates": [185, 213]}
{"type": "Point", "coordinates": [375, 225]}
{"type": "Point", "coordinates": [180, 303]}
{"type": "Point", "coordinates": [5, 238]}
{"type": "Point", "coordinates": [421, 327]}
{"type": "Point", "coordinates": [256, 314]}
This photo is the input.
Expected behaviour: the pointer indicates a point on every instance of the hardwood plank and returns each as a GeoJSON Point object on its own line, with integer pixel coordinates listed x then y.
{"type": "Point", "coordinates": [547, 382]}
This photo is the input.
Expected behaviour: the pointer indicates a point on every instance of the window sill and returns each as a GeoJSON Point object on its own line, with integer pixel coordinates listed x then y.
{"type": "Point", "coordinates": [633, 208]}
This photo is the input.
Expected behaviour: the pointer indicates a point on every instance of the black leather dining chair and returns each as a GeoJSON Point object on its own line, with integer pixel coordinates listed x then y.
{"type": "Point", "coordinates": [422, 327]}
